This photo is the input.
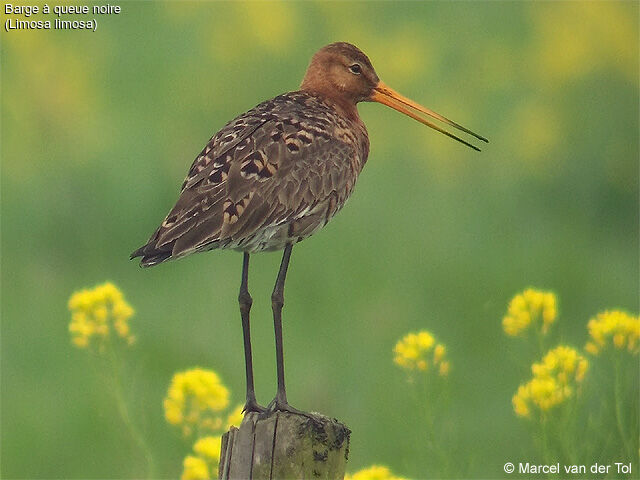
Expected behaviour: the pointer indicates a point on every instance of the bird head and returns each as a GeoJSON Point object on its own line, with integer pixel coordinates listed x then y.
{"type": "Point", "coordinates": [343, 73]}
{"type": "Point", "coordinates": [341, 69]}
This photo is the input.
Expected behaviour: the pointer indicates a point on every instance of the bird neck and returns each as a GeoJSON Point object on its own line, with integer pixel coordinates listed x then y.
{"type": "Point", "coordinates": [345, 107]}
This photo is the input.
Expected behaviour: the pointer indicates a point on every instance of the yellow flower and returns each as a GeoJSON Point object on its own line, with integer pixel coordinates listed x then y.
{"type": "Point", "coordinates": [531, 307]}
{"type": "Point", "coordinates": [555, 380]}
{"type": "Point", "coordinates": [205, 460]}
{"type": "Point", "coordinates": [235, 417]}
{"type": "Point", "coordinates": [592, 348]}
{"type": "Point", "coordinates": [173, 413]}
{"type": "Point", "coordinates": [375, 472]}
{"type": "Point", "coordinates": [94, 312]}
{"type": "Point", "coordinates": [194, 400]}
{"type": "Point", "coordinates": [80, 342]}
{"type": "Point", "coordinates": [521, 401]}
{"type": "Point", "coordinates": [195, 468]}
{"type": "Point", "coordinates": [208, 447]}
{"type": "Point", "coordinates": [616, 328]}
{"type": "Point", "coordinates": [444, 369]}
{"type": "Point", "coordinates": [420, 351]}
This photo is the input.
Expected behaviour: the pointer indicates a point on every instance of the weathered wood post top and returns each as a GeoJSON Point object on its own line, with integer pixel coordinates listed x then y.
{"type": "Point", "coordinates": [285, 446]}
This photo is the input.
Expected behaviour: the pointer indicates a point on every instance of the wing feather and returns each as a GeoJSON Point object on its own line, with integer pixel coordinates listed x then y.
{"type": "Point", "coordinates": [268, 167]}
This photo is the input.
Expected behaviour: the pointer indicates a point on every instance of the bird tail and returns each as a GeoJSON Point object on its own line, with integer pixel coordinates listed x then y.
{"type": "Point", "coordinates": [150, 258]}
{"type": "Point", "coordinates": [151, 254]}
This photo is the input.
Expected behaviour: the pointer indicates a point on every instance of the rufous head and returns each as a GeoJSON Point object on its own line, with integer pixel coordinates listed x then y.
{"type": "Point", "coordinates": [341, 69]}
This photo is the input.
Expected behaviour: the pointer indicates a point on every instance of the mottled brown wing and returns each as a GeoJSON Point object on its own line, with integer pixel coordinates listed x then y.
{"type": "Point", "coordinates": [267, 168]}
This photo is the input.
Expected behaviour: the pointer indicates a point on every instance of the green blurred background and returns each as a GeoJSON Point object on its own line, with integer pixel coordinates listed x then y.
{"type": "Point", "coordinates": [99, 129]}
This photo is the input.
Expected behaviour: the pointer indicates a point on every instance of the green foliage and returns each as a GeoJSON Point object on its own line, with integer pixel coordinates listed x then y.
{"type": "Point", "coordinates": [99, 129]}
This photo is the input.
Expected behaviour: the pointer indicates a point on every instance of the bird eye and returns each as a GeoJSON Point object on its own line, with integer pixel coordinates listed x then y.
{"type": "Point", "coordinates": [355, 69]}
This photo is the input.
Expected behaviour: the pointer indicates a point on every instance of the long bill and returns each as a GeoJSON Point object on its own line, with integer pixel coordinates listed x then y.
{"type": "Point", "coordinates": [389, 97]}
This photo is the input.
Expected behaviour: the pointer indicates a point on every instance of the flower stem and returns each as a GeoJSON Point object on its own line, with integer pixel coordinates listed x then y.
{"type": "Point", "coordinates": [123, 409]}
{"type": "Point", "coordinates": [618, 406]}
{"type": "Point", "coordinates": [540, 336]}
{"type": "Point", "coordinates": [545, 440]}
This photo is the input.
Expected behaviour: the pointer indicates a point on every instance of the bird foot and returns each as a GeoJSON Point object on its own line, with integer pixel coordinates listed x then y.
{"type": "Point", "coordinates": [279, 405]}
{"type": "Point", "coordinates": [253, 406]}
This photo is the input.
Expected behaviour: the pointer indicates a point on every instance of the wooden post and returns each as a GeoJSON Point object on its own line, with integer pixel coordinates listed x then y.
{"type": "Point", "coordinates": [285, 446]}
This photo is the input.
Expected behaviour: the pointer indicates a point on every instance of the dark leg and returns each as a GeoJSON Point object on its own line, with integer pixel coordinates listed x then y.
{"type": "Point", "coordinates": [245, 301]}
{"type": "Point", "coordinates": [277, 302]}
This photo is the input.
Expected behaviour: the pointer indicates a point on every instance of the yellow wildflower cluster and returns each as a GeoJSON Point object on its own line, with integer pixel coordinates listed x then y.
{"type": "Point", "coordinates": [420, 351]}
{"type": "Point", "coordinates": [375, 472]}
{"type": "Point", "coordinates": [95, 312]}
{"type": "Point", "coordinates": [203, 465]}
{"type": "Point", "coordinates": [554, 380]}
{"type": "Point", "coordinates": [618, 328]}
{"type": "Point", "coordinates": [531, 307]}
{"type": "Point", "coordinates": [194, 400]}
{"type": "Point", "coordinates": [194, 468]}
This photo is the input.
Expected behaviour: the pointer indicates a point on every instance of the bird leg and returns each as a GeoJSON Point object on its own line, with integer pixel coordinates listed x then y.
{"type": "Point", "coordinates": [246, 301]}
{"type": "Point", "coordinates": [279, 403]}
